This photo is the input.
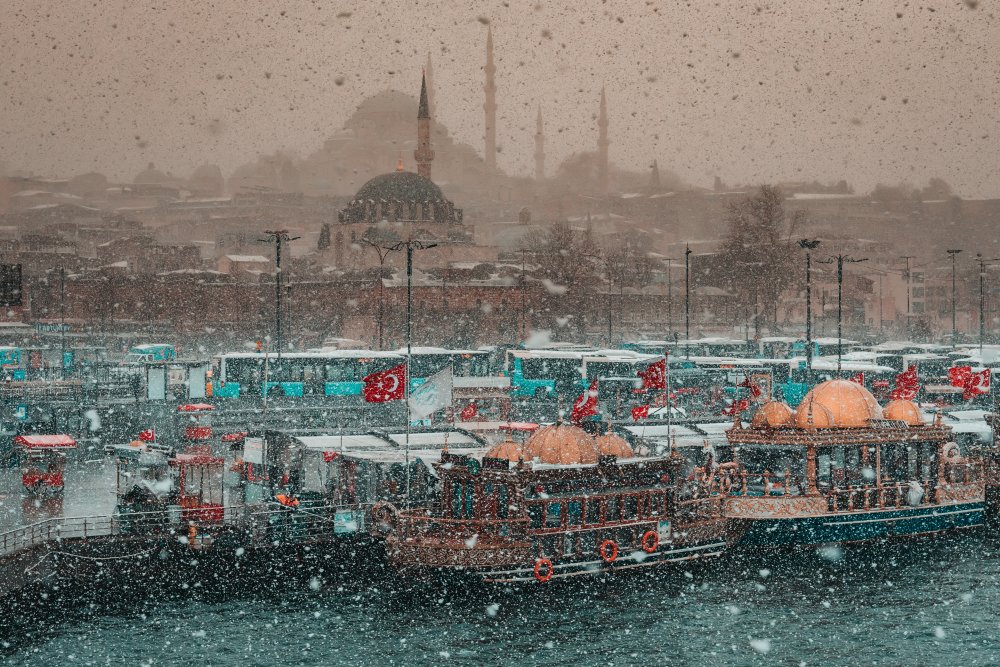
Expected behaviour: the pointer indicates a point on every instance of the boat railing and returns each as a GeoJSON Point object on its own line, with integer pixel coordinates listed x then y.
{"type": "Point", "coordinates": [887, 495]}
{"type": "Point", "coordinates": [423, 524]}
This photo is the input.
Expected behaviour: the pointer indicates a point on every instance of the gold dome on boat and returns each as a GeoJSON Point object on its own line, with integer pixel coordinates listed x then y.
{"type": "Point", "coordinates": [773, 414]}
{"type": "Point", "coordinates": [561, 444]}
{"type": "Point", "coordinates": [904, 411]}
{"type": "Point", "coordinates": [837, 404]}
{"type": "Point", "coordinates": [508, 449]}
{"type": "Point", "coordinates": [610, 444]}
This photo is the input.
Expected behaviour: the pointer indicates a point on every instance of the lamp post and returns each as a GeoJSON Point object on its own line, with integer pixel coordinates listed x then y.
{"type": "Point", "coordinates": [278, 236]}
{"type": "Point", "coordinates": [908, 292]}
{"type": "Point", "coordinates": [809, 245]}
{"type": "Point", "coordinates": [383, 253]}
{"type": "Point", "coordinates": [687, 300]}
{"type": "Point", "coordinates": [840, 259]}
{"type": "Point", "coordinates": [954, 326]}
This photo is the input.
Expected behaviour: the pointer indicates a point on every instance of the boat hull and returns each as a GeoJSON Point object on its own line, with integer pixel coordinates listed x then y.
{"type": "Point", "coordinates": [865, 526]}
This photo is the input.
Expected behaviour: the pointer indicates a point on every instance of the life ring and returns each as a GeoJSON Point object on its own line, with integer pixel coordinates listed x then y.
{"type": "Point", "coordinates": [951, 452]}
{"type": "Point", "coordinates": [650, 541]}
{"type": "Point", "coordinates": [383, 515]}
{"type": "Point", "coordinates": [543, 570]}
{"type": "Point", "coordinates": [608, 551]}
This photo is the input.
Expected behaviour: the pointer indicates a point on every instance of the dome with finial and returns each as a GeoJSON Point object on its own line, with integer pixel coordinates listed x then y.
{"type": "Point", "coordinates": [837, 404]}
{"type": "Point", "coordinates": [773, 414]}
{"type": "Point", "coordinates": [561, 444]}
{"type": "Point", "coordinates": [610, 444]}
{"type": "Point", "coordinates": [904, 411]}
{"type": "Point", "coordinates": [507, 450]}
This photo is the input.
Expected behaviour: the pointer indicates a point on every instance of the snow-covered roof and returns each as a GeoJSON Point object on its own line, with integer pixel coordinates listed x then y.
{"type": "Point", "coordinates": [247, 258]}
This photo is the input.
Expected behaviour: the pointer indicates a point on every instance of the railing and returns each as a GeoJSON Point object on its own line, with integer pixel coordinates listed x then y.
{"type": "Point", "coordinates": [264, 523]}
{"type": "Point", "coordinates": [419, 524]}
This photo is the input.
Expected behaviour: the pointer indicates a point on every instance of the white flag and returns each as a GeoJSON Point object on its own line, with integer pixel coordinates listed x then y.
{"type": "Point", "coordinates": [432, 395]}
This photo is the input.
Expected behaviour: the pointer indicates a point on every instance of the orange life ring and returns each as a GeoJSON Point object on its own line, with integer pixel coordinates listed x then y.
{"type": "Point", "coordinates": [604, 551]}
{"type": "Point", "coordinates": [650, 541]}
{"type": "Point", "coordinates": [547, 565]}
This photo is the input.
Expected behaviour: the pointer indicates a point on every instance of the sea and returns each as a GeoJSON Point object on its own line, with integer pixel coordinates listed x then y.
{"type": "Point", "coordinates": [932, 602]}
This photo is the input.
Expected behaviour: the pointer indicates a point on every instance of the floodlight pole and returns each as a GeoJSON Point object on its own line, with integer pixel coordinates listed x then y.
{"type": "Point", "coordinates": [840, 259]}
{"type": "Point", "coordinates": [809, 245]}
{"type": "Point", "coordinates": [278, 236]}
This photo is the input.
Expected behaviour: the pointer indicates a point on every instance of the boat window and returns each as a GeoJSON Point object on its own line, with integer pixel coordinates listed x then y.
{"type": "Point", "coordinates": [503, 501]}
{"type": "Point", "coordinates": [574, 512]}
{"type": "Point", "coordinates": [569, 544]}
{"type": "Point", "coordinates": [470, 493]}
{"type": "Point", "coordinates": [630, 508]}
{"type": "Point", "coordinates": [766, 468]}
{"type": "Point", "coordinates": [588, 542]}
{"type": "Point", "coordinates": [456, 499]}
{"type": "Point", "coordinates": [553, 515]}
{"type": "Point", "coordinates": [593, 511]}
{"type": "Point", "coordinates": [535, 514]}
{"type": "Point", "coordinates": [611, 510]}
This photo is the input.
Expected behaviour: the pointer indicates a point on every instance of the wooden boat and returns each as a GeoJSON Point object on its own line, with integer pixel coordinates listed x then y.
{"type": "Point", "coordinates": [843, 469]}
{"type": "Point", "coordinates": [565, 504]}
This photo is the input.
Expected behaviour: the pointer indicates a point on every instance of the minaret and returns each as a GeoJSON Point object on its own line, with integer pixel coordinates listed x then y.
{"type": "Point", "coordinates": [539, 148]}
{"type": "Point", "coordinates": [602, 147]}
{"type": "Point", "coordinates": [654, 176]}
{"type": "Point", "coordinates": [423, 155]}
{"type": "Point", "coordinates": [490, 106]}
{"type": "Point", "coordinates": [429, 73]}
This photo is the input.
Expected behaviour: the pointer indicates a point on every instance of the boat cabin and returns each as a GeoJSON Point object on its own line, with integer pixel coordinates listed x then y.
{"type": "Point", "coordinates": [199, 487]}
{"type": "Point", "coordinates": [43, 463]}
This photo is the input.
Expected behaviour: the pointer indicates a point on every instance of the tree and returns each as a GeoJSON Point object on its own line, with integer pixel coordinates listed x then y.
{"type": "Point", "coordinates": [324, 237]}
{"type": "Point", "coordinates": [757, 256]}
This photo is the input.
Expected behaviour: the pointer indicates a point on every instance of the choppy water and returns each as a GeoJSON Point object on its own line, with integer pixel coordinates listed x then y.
{"type": "Point", "coordinates": [911, 604]}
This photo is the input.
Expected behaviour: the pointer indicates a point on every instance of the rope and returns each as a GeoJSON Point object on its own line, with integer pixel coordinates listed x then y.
{"type": "Point", "coordinates": [31, 568]}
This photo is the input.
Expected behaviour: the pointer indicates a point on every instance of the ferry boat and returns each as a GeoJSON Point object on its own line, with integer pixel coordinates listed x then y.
{"type": "Point", "coordinates": [564, 504]}
{"type": "Point", "coordinates": [841, 469]}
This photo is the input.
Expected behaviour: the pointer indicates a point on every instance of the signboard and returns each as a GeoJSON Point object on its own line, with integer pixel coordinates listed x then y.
{"type": "Point", "coordinates": [156, 383]}
{"type": "Point", "coordinates": [196, 381]}
{"type": "Point", "coordinates": [253, 450]}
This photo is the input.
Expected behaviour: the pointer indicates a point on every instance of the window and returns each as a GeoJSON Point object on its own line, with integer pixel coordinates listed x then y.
{"type": "Point", "coordinates": [630, 508]}
{"type": "Point", "coordinates": [535, 514]}
{"type": "Point", "coordinates": [611, 510]}
{"type": "Point", "coordinates": [593, 511]}
{"type": "Point", "coordinates": [574, 513]}
{"type": "Point", "coordinates": [553, 515]}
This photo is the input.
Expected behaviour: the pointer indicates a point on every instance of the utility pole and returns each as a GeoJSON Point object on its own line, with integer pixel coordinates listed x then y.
{"type": "Point", "coordinates": [62, 320]}
{"type": "Point", "coordinates": [809, 245]}
{"type": "Point", "coordinates": [687, 300]}
{"type": "Point", "coordinates": [908, 292]}
{"type": "Point", "coordinates": [954, 322]}
{"type": "Point", "coordinates": [840, 259]}
{"type": "Point", "coordinates": [524, 305]}
{"type": "Point", "coordinates": [278, 237]}
{"type": "Point", "coordinates": [383, 253]}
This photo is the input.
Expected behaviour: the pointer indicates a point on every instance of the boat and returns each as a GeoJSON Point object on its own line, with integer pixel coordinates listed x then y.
{"type": "Point", "coordinates": [565, 504]}
{"type": "Point", "coordinates": [44, 462]}
{"type": "Point", "coordinates": [843, 469]}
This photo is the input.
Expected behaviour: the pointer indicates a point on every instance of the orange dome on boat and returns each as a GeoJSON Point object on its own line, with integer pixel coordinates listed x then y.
{"type": "Point", "coordinates": [837, 404]}
{"type": "Point", "coordinates": [610, 444]}
{"type": "Point", "coordinates": [561, 444]}
{"type": "Point", "coordinates": [508, 449]}
{"type": "Point", "coordinates": [773, 414]}
{"type": "Point", "coordinates": [904, 411]}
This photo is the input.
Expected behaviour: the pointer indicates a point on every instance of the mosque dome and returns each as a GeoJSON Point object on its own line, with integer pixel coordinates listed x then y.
{"type": "Point", "coordinates": [151, 175]}
{"type": "Point", "coordinates": [610, 444]}
{"type": "Point", "coordinates": [837, 404]}
{"type": "Point", "coordinates": [905, 411]}
{"type": "Point", "coordinates": [773, 414]}
{"type": "Point", "coordinates": [561, 444]}
{"type": "Point", "coordinates": [400, 186]}
{"type": "Point", "coordinates": [508, 450]}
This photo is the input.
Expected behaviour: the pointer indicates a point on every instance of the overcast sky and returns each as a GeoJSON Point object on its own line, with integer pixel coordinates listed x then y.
{"type": "Point", "coordinates": [754, 92]}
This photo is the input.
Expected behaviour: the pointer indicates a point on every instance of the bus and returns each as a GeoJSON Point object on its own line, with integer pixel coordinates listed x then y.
{"type": "Point", "coordinates": [334, 372]}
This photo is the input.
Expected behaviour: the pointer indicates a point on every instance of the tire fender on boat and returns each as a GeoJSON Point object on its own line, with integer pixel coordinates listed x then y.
{"type": "Point", "coordinates": [608, 551]}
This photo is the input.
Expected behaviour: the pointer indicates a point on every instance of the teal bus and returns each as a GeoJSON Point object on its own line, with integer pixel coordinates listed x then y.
{"type": "Point", "coordinates": [335, 372]}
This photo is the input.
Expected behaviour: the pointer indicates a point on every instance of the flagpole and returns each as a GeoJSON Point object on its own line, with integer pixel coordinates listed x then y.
{"type": "Point", "coordinates": [666, 395]}
{"type": "Point", "coordinates": [409, 352]}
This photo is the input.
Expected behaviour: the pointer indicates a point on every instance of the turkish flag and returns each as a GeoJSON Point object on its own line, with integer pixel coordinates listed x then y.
{"type": "Point", "coordinates": [755, 391]}
{"type": "Point", "coordinates": [469, 411]}
{"type": "Point", "coordinates": [737, 407]}
{"type": "Point", "coordinates": [907, 385]}
{"type": "Point", "coordinates": [385, 386]}
{"type": "Point", "coordinates": [640, 412]}
{"type": "Point", "coordinates": [147, 435]}
{"type": "Point", "coordinates": [585, 404]}
{"type": "Point", "coordinates": [859, 377]}
{"type": "Point", "coordinates": [960, 376]}
{"type": "Point", "coordinates": [654, 376]}
{"type": "Point", "coordinates": [978, 383]}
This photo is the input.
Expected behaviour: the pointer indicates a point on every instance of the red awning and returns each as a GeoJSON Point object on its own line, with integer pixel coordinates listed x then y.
{"type": "Point", "coordinates": [234, 437]}
{"type": "Point", "coordinates": [195, 407]}
{"type": "Point", "coordinates": [50, 441]}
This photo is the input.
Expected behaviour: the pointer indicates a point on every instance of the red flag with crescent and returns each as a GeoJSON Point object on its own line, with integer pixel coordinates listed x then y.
{"type": "Point", "coordinates": [388, 385]}
{"type": "Point", "coordinates": [640, 412]}
{"type": "Point", "coordinates": [654, 376]}
{"type": "Point", "coordinates": [585, 404]}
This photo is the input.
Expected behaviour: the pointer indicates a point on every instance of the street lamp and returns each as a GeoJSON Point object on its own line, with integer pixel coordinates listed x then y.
{"type": "Point", "coordinates": [954, 326]}
{"type": "Point", "coordinates": [382, 252]}
{"type": "Point", "coordinates": [908, 292]}
{"type": "Point", "coordinates": [840, 259]}
{"type": "Point", "coordinates": [687, 300]}
{"type": "Point", "coordinates": [278, 236]}
{"type": "Point", "coordinates": [809, 245]}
